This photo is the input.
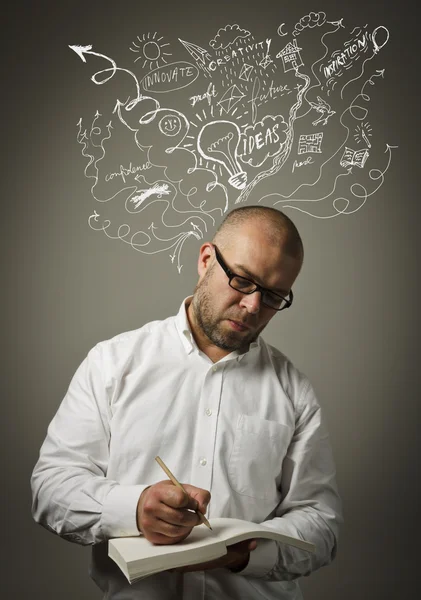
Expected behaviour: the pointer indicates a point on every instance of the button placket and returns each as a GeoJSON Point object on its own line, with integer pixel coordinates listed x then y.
{"type": "Point", "coordinates": [207, 426]}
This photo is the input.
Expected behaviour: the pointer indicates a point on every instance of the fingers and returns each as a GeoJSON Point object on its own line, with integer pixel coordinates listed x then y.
{"type": "Point", "coordinates": [177, 528]}
{"type": "Point", "coordinates": [173, 496]}
{"type": "Point", "coordinates": [195, 499]}
{"type": "Point", "coordinates": [201, 496]}
{"type": "Point", "coordinates": [238, 555]}
{"type": "Point", "coordinates": [164, 512]}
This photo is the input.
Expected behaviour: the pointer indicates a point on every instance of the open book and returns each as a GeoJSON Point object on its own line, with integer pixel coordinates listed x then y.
{"type": "Point", "coordinates": [354, 158]}
{"type": "Point", "coordinates": [138, 558]}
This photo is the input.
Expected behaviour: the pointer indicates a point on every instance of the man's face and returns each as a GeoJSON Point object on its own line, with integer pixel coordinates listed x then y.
{"type": "Point", "coordinates": [226, 318]}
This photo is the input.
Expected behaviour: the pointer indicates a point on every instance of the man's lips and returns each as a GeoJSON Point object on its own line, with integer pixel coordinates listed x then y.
{"type": "Point", "coordinates": [238, 325]}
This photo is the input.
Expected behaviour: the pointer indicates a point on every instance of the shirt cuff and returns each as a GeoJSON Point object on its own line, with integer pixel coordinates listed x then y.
{"type": "Point", "coordinates": [262, 559]}
{"type": "Point", "coordinates": [119, 511]}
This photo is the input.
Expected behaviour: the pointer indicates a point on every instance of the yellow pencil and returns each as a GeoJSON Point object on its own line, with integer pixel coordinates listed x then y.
{"type": "Point", "coordinates": [178, 484]}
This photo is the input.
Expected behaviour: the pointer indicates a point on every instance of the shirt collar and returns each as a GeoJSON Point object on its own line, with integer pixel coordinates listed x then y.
{"type": "Point", "coordinates": [183, 326]}
{"type": "Point", "coordinates": [187, 339]}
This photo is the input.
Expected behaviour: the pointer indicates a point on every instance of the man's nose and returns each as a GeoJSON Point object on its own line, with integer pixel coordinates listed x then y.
{"type": "Point", "coordinates": [251, 302]}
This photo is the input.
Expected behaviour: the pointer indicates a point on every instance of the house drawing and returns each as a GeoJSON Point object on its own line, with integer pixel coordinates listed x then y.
{"type": "Point", "coordinates": [291, 58]}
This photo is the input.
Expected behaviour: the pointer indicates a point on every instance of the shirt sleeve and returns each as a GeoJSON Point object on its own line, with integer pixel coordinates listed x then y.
{"type": "Point", "coordinates": [310, 508]}
{"type": "Point", "coordinates": [72, 495]}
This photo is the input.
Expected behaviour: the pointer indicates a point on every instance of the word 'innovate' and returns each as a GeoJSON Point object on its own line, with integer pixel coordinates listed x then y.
{"type": "Point", "coordinates": [170, 77]}
{"type": "Point", "coordinates": [123, 173]}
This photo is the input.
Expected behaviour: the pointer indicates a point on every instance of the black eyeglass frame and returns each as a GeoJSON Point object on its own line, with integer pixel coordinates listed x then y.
{"type": "Point", "coordinates": [257, 288]}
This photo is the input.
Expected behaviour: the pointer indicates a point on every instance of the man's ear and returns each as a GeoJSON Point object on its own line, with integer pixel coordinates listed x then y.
{"type": "Point", "coordinates": [206, 253]}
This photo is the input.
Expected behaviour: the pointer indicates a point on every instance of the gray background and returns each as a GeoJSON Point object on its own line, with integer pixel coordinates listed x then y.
{"type": "Point", "coordinates": [353, 328]}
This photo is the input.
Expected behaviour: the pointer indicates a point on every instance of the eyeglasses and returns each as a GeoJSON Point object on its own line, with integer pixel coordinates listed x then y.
{"type": "Point", "coordinates": [245, 286]}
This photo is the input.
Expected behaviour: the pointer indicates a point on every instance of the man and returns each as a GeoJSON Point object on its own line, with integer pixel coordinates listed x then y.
{"type": "Point", "coordinates": [229, 414]}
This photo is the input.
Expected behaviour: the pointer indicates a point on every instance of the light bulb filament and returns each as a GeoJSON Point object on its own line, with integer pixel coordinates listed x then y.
{"type": "Point", "coordinates": [215, 145]}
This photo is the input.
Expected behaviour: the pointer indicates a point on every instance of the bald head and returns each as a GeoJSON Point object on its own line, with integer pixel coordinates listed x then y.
{"type": "Point", "coordinates": [278, 229]}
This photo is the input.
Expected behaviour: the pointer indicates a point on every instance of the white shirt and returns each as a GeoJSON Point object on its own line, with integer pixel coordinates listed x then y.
{"type": "Point", "coordinates": [248, 428]}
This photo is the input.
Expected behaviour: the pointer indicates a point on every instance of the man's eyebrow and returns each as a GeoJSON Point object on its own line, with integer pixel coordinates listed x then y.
{"type": "Point", "coordinates": [256, 279]}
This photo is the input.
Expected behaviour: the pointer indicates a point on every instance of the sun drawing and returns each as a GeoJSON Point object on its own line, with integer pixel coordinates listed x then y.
{"type": "Point", "coordinates": [151, 50]}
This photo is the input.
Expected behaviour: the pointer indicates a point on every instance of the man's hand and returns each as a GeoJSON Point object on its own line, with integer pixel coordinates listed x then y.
{"type": "Point", "coordinates": [236, 559]}
{"type": "Point", "coordinates": [164, 512]}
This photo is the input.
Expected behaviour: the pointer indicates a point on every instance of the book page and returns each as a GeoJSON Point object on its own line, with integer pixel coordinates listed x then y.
{"type": "Point", "coordinates": [140, 555]}
{"type": "Point", "coordinates": [237, 530]}
{"type": "Point", "coordinates": [143, 558]}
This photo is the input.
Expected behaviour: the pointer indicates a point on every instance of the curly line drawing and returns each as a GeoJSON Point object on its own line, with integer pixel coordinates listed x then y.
{"type": "Point", "coordinates": [233, 112]}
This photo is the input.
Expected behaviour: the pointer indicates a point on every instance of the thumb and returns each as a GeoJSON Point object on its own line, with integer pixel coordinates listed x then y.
{"type": "Point", "coordinates": [198, 495]}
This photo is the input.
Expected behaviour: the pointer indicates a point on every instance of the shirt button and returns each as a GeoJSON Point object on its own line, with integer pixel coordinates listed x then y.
{"type": "Point", "coordinates": [203, 461]}
{"type": "Point", "coordinates": [208, 412]}
{"type": "Point", "coordinates": [214, 368]}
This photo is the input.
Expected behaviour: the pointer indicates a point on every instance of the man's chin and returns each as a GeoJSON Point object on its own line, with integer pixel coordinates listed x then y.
{"type": "Point", "coordinates": [232, 339]}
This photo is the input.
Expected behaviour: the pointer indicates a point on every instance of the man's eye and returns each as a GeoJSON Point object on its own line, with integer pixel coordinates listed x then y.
{"type": "Point", "coordinates": [242, 284]}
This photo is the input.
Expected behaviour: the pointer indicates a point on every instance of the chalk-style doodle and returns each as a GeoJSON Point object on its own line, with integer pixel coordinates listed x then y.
{"type": "Point", "coordinates": [246, 71]}
{"type": "Point", "coordinates": [208, 95]}
{"type": "Point", "coordinates": [322, 107]}
{"type": "Point", "coordinates": [219, 141]}
{"type": "Point", "coordinates": [280, 32]}
{"type": "Point", "coordinates": [262, 140]}
{"type": "Point", "coordinates": [302, 163]}
{"type": "Point", "coordinates": [351, 53]}
{"type": "Point", "coordinates": [199, 125]}
{"type": "Point", "coordinates": [170, 77]}
{"type": "Point", "coordinates": [231, 97]}
{"type": "Point", "coordinates": [354, 158]}
{"type": "Point", "coordinates": [158, 189]}
{"type": "Point", "coordinates": [378, 33]}
{"type": "Point", "coordinates": [362, 133]}
{"type": "Point", "coordinates": [200, 55]}
{"type": "Point", "coordinates": [291, 57]}
{"type": "Point", "coordinates": [226, 36]}
{"type": "Point", "coordinates": [311, 20]}
{"type": "Point", "coordinates": [332, 203]}
{"type": "Point", "coordinates": [266, 60]}
{"type": "Point", "coordinates": [151, 49]}
{"type": "Point", "coordinates": [310, 143]}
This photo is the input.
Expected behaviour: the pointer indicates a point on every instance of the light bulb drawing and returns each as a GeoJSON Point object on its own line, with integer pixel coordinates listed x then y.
{"type": "Point", "coordinates": [218, 141]}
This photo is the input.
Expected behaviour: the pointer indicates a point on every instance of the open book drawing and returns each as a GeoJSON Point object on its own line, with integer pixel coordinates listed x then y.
{"type": "Point", "coordinates": [138, 558]}
{"type": "Point", "coordinates": [354, 158]}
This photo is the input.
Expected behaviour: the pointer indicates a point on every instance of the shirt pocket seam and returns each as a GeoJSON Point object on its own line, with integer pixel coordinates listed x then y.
{"type": "Point", "coordinates": [261, 430]}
